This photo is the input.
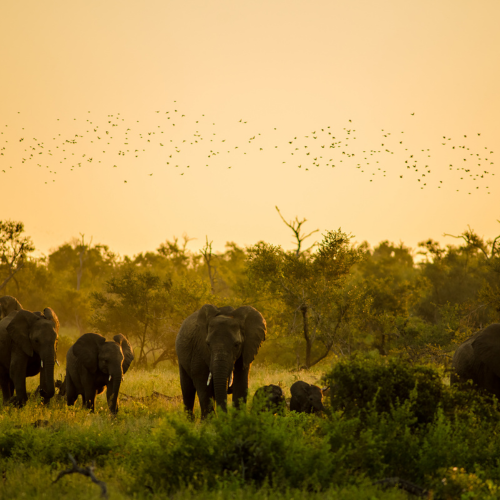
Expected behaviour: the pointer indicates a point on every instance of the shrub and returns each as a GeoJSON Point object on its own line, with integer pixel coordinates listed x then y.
{"type": "Point", "coordinates": [363, 383]}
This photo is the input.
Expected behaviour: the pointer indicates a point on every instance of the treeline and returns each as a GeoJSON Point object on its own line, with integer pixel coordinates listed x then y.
{"type": "Point", "coordinates": [335, 297]}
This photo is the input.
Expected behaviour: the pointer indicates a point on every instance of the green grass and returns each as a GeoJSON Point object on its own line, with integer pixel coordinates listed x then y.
{"type": "Point", "coordinates": [151, 450]}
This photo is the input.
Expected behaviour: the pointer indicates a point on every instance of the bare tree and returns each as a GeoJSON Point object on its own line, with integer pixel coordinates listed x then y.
{"type": "Point", "coordinates": [209, 258]}
{"type": "Point", "coordinates": [295, 226]}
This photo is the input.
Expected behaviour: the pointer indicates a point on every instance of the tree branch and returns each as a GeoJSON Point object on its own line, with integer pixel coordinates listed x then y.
{"type": "Point", "coordinates": [86, 471]}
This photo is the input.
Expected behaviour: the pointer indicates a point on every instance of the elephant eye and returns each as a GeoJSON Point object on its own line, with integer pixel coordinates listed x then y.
{"type": "Point", "coordinates": [237, 344]}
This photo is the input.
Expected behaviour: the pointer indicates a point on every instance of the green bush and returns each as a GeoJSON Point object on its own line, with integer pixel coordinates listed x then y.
{"type": "Point", "coordinates": [363, 383]}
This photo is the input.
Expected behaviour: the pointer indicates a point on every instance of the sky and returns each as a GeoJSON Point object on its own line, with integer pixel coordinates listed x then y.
{"type": "Point", "coordinates": [136, 122]}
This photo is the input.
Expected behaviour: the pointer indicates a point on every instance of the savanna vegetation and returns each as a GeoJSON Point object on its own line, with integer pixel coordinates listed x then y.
{"type": "Point", "coordinates": [379, 325]}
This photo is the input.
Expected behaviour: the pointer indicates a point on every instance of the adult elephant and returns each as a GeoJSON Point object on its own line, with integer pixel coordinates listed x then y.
{"type": "Point", "coordinates": [93, 364]}
{"type": "Point", "coordinates": [8, 304]}
{"type": "Point", "coordinates": [28, 343]}
{"type": "Point", "coordinates": [478, 359]}
{"type": "Point", "coordinates": [213, 344]}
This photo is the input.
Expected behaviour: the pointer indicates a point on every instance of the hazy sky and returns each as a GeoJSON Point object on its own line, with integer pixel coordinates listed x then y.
{"type": "Point", "coordinates": [374, 100]}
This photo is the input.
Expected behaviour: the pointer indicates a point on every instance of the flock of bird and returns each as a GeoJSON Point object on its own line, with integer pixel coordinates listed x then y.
{"type": "Point", "coordinates": [92, 139]}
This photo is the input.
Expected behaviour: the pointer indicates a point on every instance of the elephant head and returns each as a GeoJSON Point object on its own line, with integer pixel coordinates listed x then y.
{"type": "Point", "coordinates": [36, 335]}
{"type": "Point", "coordinates": [8, 304]}
{"type": "Point", "coordinates": [270, 398]}
{"type": "Point", "coordinates": [231, 336]}
{"type": "Point", "coordinates": [107, 362]}
{"type": "Point", "coordinates": [306, 398]}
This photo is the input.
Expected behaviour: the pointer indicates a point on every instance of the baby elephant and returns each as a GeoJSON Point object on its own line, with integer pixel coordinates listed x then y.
{"type": "Point", "coordinates": [93, 364]}
{"type": "Point", "coordinates": [269, 398]}
{"type": "Point", "coordinates": [306, 398]}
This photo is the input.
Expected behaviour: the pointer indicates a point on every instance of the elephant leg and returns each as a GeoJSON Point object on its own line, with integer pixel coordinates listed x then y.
{"type": "Point", "coordinates": [240, 385]}
{"type": "Point", "coordinates": [90, 395]}
{"type": "Point", "coordinates": [7, 388]}
{"type": "Point", "coordinates": [18, 376]}
{"type": "Point", "coordinates": [71, 392]}
{"type": "Point", "coordinates": [206, 402]}
{"type": "Point", "coordinates": [188, 391]}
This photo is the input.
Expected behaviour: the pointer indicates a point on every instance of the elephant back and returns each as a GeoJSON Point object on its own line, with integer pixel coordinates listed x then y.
{"type": "Point", "coordinates": [486, 347]}
{"type": "Point", "coordinates": [86, 350]}
{"type": "Point", "coordinates": [8, 304]}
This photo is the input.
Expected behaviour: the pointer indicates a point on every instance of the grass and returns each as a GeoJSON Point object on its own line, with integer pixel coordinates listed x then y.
{"type": "Point", "coordinates": [151, 450]}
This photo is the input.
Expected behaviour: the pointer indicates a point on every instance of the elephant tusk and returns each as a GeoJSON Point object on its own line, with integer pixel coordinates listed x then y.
{"type": "Point", "coordinates": [109, 379]}
{"type": "Point", "coordinates": [42, 364]}
{"type": "Point", "coordinates": [209, 378]}
{"type": "Point", "coordinates": [57, 363]}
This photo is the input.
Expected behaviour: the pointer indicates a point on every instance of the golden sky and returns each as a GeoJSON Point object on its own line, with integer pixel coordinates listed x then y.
{"type": "Point", "coordinates": [385, 95]}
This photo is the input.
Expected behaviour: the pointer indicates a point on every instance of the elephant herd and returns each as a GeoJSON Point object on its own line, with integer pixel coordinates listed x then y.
{"type": "Point", "coordinates": [215, 349]}
{"type": "Point", "coordinates": [28, 345]}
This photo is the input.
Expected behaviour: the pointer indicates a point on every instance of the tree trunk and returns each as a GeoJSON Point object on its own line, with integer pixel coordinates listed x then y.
{"type": "Point", "coordinates": [303, 309]}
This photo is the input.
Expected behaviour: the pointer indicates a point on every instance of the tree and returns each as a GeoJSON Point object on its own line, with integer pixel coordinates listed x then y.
{"type": "Point", "coordinates": [147, 308]}
{"type": "Point", "coordinates": [389, 277]}
{"type": "Point", "coordinates": [78, 268]}
{"type": "Point", "coordinates": [311, 286]}
{"type": "Point", "coordinates": [489, 294]}
{"type": "Point", "coordinates": [14, 249]}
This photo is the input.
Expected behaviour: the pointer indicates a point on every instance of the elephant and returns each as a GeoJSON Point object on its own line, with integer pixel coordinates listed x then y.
{"type": "Point", "coordinates": [8, 304]}
{"type": "Point", "coordinates": [269, 398]}
{"type": "Point", "coordinates": [212, 345]}
{"type": "Point", "coordinates": [92, 364]}
{"type": "Point", "coordinates": [478, 359]}
{"type": "Point", "coordinates": [28, 345]}
{"type": "Point", "coordinates": [306, 398]}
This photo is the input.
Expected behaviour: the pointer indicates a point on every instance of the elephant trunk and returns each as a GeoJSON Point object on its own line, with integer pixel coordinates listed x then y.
{"type": "Point", "coordinates": [220, 376]}
{"type": "Point", "coordinates": [47, 381]}
{"type": "Point", "coordinates": [113, 390]}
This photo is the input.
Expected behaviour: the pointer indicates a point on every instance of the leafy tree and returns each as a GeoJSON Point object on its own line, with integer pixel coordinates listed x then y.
{"type": "Point", "coordinates": [14, 248]}
{"type": "Point", "coordinates": [77, 269]}
{"type": "Point", "coordinates": [148, 309]}
{"type": "Point", "coordinates": [388, 276]}
{"type": "Point", "coordinates": [311, 286]}
{"type": "Point", "coordinates": [489, 294]}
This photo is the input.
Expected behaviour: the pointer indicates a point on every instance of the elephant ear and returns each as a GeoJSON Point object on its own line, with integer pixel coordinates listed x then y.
{"type": "Point", "coordinates": [8, 304]}
{"type": "Point", "coordinates": [19, 330]}
{"type": "Point", "coordinates": [86, 349]}
{"type": "Point", "coordinates": [128, 352]}
{"type": "Point", "coordinates": [205, 314]}
{"type": "Point", "coordinates": [51, 315]}
{"type": "Point", "coordinates": [487, 348]}
{"type": "Point", "coordinates": [254, 332]}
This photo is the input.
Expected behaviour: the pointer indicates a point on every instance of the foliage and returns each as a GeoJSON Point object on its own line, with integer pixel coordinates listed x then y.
{"type": "Point", "coordinates": [328, 299]}
{"type": "Point", "coordinates": [152, 448]}
{"type": "Point", "coordinates": [145, 308]}
{"type": "Point", "coordinates": [313, 285]}
{"type": "Point", "coordinates": [363, 384]}
{"type": "Point", "coordinates": [14, 248]}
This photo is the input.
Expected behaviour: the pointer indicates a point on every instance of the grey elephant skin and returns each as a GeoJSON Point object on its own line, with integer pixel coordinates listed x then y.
{"type": "Point", "coordinates": [94, 364]}
{"type": "Point", "coordinates": [269, 398]}
{"type": "Point", "coordinates": [306, 398]}
{"type": "Point", "coordinates": [478, 359]}
{"type": "Point", "coordinates": [8, 304]}
{"type": "Point", "coordinates": [213, 344]}
{"type": "Point", "coordinates": [28, 343]}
